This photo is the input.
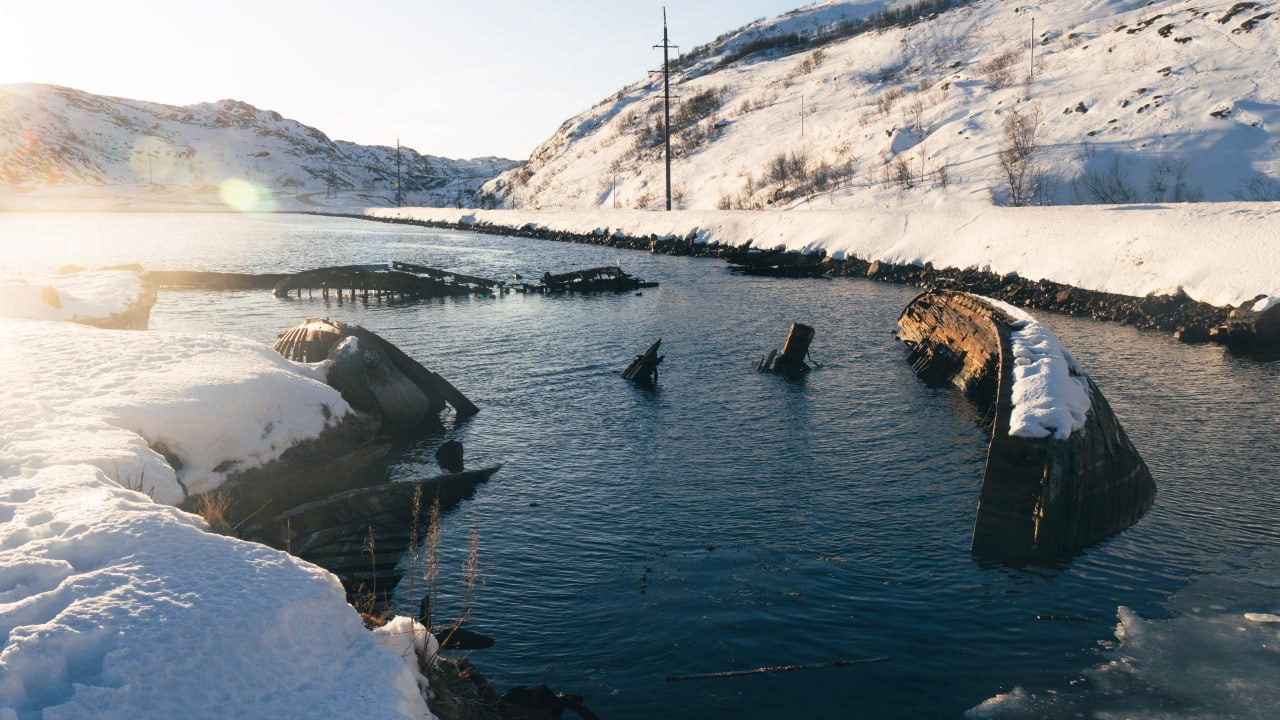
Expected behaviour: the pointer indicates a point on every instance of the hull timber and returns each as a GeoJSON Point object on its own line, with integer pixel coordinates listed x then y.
{"type": "Point", "coordinates": [316, 338]}
{"type": "Point", "coordinates": [776, 263]}
{"type": "Point", "coordinates": [334, 532]}
{"type": "Point", "coordinates": [601, 279]}
{"type": "Point", "coordinates": [1041, 497]}
{"type": "Point", "coordinates": [399, 280]}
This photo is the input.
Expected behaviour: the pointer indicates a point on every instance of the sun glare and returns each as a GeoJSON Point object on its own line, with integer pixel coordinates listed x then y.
{"type": "Point", "coordinates": [244, 196]}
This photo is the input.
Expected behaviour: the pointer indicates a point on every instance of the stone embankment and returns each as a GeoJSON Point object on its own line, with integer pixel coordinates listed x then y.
{"type": "Point", "coordinates": [1241, 328]}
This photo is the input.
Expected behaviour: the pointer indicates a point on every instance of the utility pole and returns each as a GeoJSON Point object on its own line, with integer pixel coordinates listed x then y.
{"type": "Point", "coordinates": [801, 117]}
{"type": "Point", "coordinates": [666, 97]}
{"type": "Point", "coordinates": [1032, 75]}
{"type": "Point", "coordinates": [399, 197]}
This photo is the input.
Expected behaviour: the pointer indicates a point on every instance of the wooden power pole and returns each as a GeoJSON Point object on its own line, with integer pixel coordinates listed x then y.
{"type": "Point", "coordinates": [399, 197]}
{"type": "Point", "coordinates": [666, 98]}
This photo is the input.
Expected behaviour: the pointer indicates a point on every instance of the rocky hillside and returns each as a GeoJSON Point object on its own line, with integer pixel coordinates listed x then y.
{"type": "Point", "coordinates": [56, 136]}
{"type": "Point", "coordinates": [901, 104]}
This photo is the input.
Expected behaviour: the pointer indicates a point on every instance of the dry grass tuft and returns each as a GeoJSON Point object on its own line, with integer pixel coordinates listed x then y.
{"type": "Point", "coordinates": [213, 508]}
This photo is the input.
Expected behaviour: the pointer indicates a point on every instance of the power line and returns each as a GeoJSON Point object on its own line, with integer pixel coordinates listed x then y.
{"type": "Point", "coordinates": [666, 97]}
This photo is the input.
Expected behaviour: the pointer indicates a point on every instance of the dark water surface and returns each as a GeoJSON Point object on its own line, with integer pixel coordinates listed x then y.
{"type": "Point", "coordinates": [727, 519]}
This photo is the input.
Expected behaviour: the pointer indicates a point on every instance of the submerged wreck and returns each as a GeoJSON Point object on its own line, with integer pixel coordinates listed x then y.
{"type": "Point", "coordinates": [602, 279]}
{"type": "Point", "coordinates": [397, 280]}
{"type": "Point", "coordinates": [372, 374]}
{"type": "Point", "coordinates": [777, 262]}
{"type": "Point", "coordinates": [327, 501]}
{"type": "Point", "coordinates": [1061, 473]}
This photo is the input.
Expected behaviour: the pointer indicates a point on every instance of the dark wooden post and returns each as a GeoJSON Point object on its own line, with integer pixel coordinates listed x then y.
{"type": "Point", "coordinates": [790, 360]}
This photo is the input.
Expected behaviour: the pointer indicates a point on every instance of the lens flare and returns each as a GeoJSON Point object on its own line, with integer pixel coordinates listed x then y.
{"type": "Point", "coordinates": [244, 196]}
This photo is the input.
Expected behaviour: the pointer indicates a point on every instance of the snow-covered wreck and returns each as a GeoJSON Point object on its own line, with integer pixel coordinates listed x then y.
{"type": "Point", "coordinates": [1061, 473]}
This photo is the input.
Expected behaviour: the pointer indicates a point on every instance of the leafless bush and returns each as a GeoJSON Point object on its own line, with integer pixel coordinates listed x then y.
{"type": "Point", "coordinates": [811, 62]}
{"type": "Point", "coordinates": [898, 173]}
{"type": "Point", "coordinates": [1023, 178]}
{"type": "Point", "coordinates": [1257, 188]}
{"type": "Point", "coordinates": [913, 114]}
{"type": "Point", "coordinates": [886, 100]}
{"type": "Point", "coordinates": [1168, 182]}
{"type": "Point", "coordinates": [999, 69]}
{"type": "Point", "coordinates": [1110, 186]}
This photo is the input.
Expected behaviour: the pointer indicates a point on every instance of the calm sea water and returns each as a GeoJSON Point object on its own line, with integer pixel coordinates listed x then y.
{"type": "Point", "coordinates": [727, 519]}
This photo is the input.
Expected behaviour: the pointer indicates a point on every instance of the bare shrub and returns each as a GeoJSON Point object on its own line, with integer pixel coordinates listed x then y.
{"type": "Point", "coordinates": [999, 70]}
{"type": "Point", "coordinates": [1110, 186]}
{"type": "Point", "coordinates": [886, 100]}
{"type": "Point", "coordinates": [1168, 182]}
{"type": "Point", "coordinates": [1022, 175]}
{"type": "Point", "coordinates": [1257, 188]}
{"type": "Point", "coordinates": [913, 114]}
{"type": "Point", "coordinates": [213, 506]}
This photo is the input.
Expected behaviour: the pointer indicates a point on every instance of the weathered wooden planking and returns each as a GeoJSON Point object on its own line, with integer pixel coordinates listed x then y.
{"type": "Point", "coordinates": [315, 338]}
{"type": "Point", "coordinates": [644, 369]}
{"type": "Point", "coordinates": [1041, 497]}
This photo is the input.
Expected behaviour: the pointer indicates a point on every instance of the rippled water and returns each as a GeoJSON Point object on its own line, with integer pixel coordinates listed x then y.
{"type": "Point", "coordinates": [727, 519]}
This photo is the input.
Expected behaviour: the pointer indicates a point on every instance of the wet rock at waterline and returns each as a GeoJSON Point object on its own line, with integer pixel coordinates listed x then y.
{"type": "Point", "coordinates": [1255, 325]}
{"type": "Point", "coordinates": [1061, 473]}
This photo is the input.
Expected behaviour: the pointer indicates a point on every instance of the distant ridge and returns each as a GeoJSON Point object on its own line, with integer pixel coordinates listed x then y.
{"type": "Point", "coordinates": [58, 136]}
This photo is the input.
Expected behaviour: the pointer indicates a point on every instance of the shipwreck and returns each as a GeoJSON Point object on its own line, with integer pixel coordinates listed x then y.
{"type": "Point", "coordinates": [1061, 473]}
{"type": "Point", "coordinates": [328, 501]}
{"type": "Point", "coordinates": [610, 278]}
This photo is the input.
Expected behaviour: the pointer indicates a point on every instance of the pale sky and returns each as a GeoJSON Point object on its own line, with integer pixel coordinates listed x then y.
{"type": "Point", "coordinates": [458, 79]}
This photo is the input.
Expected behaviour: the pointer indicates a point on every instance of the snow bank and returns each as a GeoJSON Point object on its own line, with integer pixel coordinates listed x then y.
{"type": "Point", "coordinates": [1219, 253]}
{"type": "Point", "coordinates": [107, 398]}
{"type": "Point", "coordinates": [74, 297]}
{"type": "Point", "coordinates": [1050, 391]}
{"type": "Point", "coordinates": [113, 605]}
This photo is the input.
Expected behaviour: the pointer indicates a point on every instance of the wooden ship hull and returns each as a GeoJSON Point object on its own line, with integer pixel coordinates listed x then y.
{"type": "Point", "coordinates": [602, 279]}
{"type": "Point", "coordinates": [361, 534]}
{"type": "Point", "coordinates": [1041, 497]}
{"type": "Point", "coordinates": [776, 263]}
{"type": "Point", "coordinates": [398, 280]}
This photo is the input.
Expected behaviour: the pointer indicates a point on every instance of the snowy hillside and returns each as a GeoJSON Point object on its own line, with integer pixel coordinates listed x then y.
{"type": "Point", "coordinates": [56, 136]}
{"type": "Point", "coordinates": [873, 104]}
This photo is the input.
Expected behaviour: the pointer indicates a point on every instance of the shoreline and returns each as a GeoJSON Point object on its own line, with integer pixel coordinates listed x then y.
{"type": "Point", "coordinates": [1190, 320]}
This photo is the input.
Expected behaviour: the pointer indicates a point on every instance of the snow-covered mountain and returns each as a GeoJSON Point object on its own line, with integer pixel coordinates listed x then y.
{"type": "Point", "coordinates": [871, 104]}
{"type": "Point", "coordinates": [57, 136]}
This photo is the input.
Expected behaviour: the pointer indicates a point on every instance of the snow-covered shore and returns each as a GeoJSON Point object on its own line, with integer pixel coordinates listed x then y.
{"type": "Point", "coordinates": [1217, 253]}
{"type": "Point", "coordinates": [114, 603]}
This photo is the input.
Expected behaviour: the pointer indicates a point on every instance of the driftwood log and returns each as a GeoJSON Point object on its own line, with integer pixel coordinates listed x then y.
{"type": "Point", "coordinates": [1041, 497]}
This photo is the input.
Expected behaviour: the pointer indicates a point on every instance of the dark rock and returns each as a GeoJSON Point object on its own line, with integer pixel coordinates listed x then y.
{"type": "Point", "coordinates": [449, 455]}
{"type": "Point", "coordinates": [1192, 335]}
{"type": "Point", "coordinates": [541, 703]}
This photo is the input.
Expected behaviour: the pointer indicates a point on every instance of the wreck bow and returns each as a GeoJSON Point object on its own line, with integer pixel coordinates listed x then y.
{"type": "Point", "coordinates": [1042, 496]}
